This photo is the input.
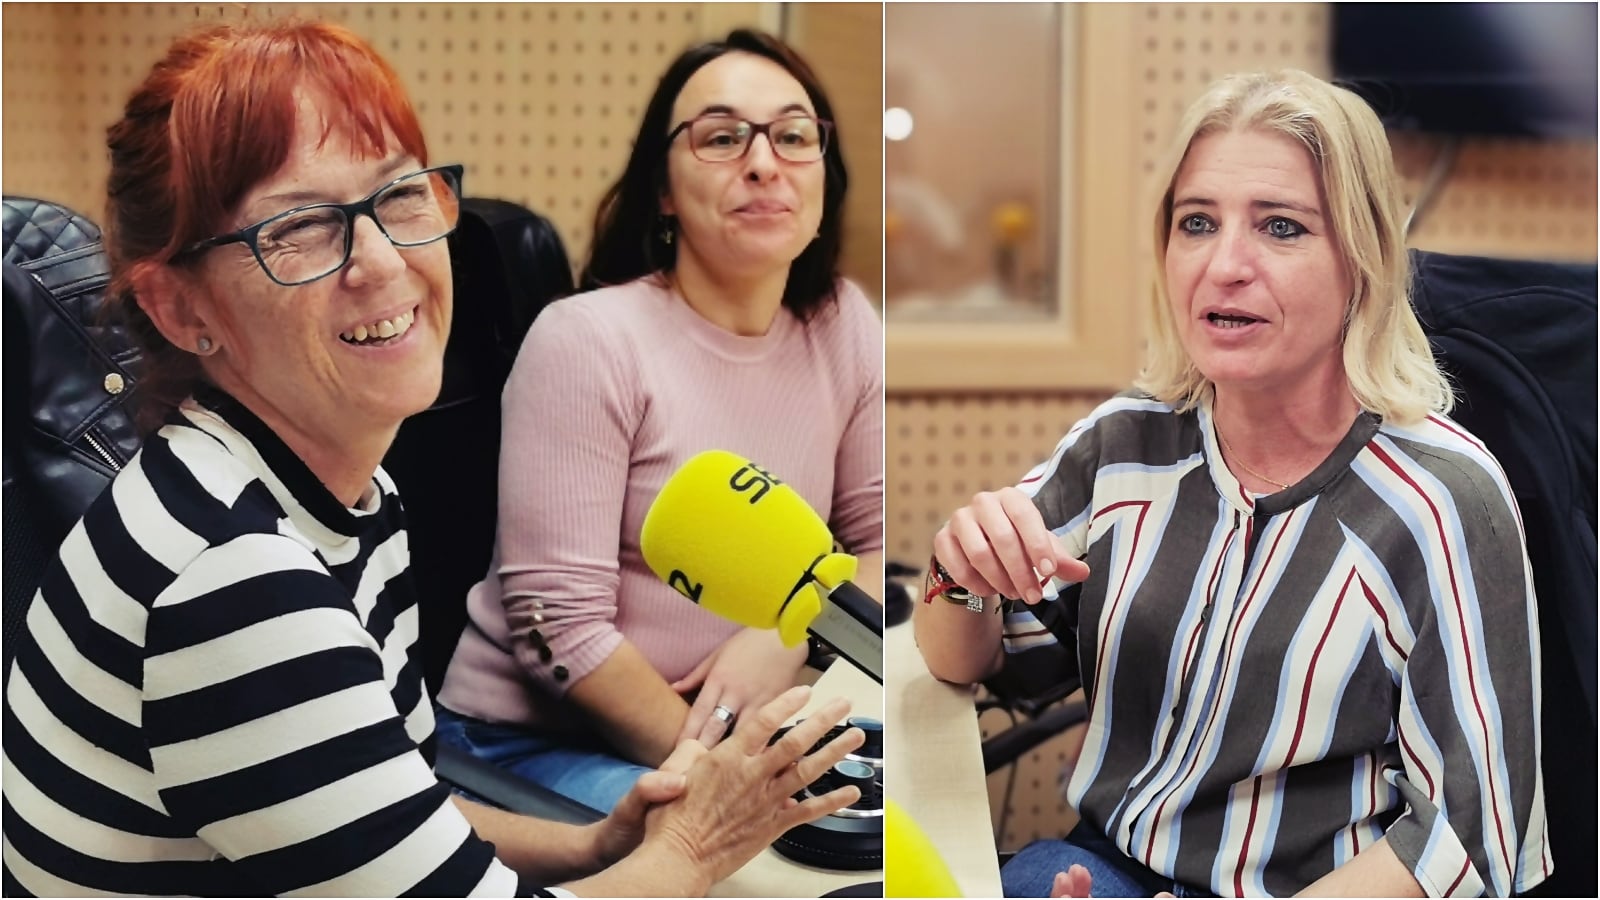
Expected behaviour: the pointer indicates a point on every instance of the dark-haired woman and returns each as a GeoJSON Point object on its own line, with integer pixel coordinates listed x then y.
{"type": "Point", "coordinates": [716, 319]}
{"type": "Point", "coordinates": [216, 692]}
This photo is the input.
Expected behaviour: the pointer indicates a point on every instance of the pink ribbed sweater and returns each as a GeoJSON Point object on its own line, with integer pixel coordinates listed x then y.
{"type": "Point", "coordinates": [612, 391]}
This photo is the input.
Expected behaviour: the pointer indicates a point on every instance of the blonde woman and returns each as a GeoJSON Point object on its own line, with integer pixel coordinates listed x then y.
{"type": "Point", "coordinates": [1295, 591]}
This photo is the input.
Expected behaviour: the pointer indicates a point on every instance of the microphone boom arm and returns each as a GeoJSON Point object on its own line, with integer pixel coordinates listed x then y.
{"type": "Point", "coordinates": [852, 623]}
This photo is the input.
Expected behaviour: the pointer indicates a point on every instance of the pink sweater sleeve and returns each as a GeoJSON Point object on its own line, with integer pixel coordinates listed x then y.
{"type": "Point", "coordinates": [569, 413]}
{"type": "Point", "coordinates": [857, 516]}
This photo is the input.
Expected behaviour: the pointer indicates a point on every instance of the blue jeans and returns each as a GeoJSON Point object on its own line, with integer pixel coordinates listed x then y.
{"type": "Point", "coordinates": [582, 768]}
{"type": "Point", "coordinates": [1032, 871]}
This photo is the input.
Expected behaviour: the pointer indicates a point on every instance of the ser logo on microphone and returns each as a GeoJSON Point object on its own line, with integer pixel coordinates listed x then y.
{"type": "Point", "coordinates": [754, 478]}
{"type": "Point", "coordinates": [681, 583]}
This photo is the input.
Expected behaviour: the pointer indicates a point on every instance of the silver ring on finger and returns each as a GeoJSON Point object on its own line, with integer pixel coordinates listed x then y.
{"type": "Point", "coordinates": [725, 715]}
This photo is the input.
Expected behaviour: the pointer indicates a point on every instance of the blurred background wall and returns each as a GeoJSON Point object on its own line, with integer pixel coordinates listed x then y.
{"type": "Point", "coordinates": [1131, 71]}
{"type": "Point", "coordinates": [541, 101]}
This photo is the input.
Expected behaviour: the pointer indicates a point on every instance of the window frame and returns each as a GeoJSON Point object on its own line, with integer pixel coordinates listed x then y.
{"type": "Point", "coordinates": [1083, 345]}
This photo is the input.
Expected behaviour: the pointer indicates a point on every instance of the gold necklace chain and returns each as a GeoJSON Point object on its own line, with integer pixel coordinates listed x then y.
{"type": "Point", "coordinates": [1243, 465]}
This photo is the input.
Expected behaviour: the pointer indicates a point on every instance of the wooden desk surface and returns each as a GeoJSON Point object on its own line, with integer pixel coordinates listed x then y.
{"type": "Point", "coordinates": [933, 764]}
{"type": "Point", "coordinates": [771, 875]}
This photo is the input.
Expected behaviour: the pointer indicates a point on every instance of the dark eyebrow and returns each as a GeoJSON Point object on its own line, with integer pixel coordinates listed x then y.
{"type": "Point", "coordinates": [721, 109]}
{"type": "Point", "coordinates": [1207, 202]}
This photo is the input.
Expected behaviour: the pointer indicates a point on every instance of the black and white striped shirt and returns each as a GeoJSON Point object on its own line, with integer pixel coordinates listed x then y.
{"type": "Point", "coordinates": [217, 693]}
{"type": "Point", "coordinates": [1277, 682]}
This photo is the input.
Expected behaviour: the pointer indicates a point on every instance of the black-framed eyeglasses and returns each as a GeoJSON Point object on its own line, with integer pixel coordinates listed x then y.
{"type": "Point", "coordinates": [722, 138]}
{"type": "Point", "coordinates": [311, 242]}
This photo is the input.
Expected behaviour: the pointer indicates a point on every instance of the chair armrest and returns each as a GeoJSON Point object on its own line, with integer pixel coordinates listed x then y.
{"type": "Point", "coordinates": [496, 786]}
{"type": "Point", "coordinates": [1004, 748]}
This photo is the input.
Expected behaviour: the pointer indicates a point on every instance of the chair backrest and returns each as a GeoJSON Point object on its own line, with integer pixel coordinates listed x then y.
{"type": "Point", "coordinates": [509, 264]}
{"type": "Point", "coordinates": [69, 373]}
{"type": "Point", "coordinates": [1518, 338]}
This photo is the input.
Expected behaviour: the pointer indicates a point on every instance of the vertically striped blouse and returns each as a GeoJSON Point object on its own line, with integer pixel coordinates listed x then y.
{"type": "Point", "coordinates": [217, 694]}
{"type": "Point", "coordinates": [1277, 682]}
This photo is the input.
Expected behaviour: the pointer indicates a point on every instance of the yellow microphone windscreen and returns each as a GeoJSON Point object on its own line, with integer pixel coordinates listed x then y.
{"type": "Point", "coordinates": [911, 864]}
{"type": "Point", "coordinates": [733, 538]}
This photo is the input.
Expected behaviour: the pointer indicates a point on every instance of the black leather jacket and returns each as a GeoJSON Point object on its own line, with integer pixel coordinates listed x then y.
{"type": "Point", "coordinates": [68, 374]}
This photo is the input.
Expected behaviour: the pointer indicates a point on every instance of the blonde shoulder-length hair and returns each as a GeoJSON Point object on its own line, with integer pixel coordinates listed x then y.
{"type": "Point", "coordinates": [1387, 360]}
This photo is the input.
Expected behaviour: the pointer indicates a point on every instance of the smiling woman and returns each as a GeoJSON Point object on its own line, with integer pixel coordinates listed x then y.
{"type": "Point", "coordinates": [716, 319]}
{"type": "Point", "coordinates": [287, 345]}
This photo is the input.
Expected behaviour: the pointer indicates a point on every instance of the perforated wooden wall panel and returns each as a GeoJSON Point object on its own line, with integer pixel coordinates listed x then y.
{"type": "Point", "coordinates": [541, 101]}
{"type": "Point", "coordinates": [942, 450]}
{"type": "Point", "coordinates": [1506, 197]}
{"type": "Point", "coordinates": [41, 118]}
{"type": "Point", "coordinates": [844, 44]}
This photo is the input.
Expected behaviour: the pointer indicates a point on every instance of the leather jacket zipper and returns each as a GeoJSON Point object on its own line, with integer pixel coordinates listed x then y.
{"type": "Point", "coordinates": [104, 454]}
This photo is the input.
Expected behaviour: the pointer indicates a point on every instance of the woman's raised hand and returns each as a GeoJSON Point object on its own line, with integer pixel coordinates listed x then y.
{"type": "Point", "coordinates": [996, 544]}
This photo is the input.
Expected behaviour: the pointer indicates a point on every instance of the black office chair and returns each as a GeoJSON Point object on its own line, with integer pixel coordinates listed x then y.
{"type": "Point", "coordinates": [1518, 339]}
{"type": "Point", "coordinates": [70, 371]}
{"type": "Point", "coordinates": [508, 264]}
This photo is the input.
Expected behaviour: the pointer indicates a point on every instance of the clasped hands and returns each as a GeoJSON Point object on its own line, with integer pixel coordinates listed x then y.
{"type": "Point", "coordinates": [717, 808]}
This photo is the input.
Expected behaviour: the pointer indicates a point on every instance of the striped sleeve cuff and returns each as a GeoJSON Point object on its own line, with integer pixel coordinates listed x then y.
{"type": "Point", "coordinates": [1427, 845]}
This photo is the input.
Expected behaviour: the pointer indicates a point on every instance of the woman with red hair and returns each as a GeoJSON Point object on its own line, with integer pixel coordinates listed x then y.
{"type": "Point", "coordinates": [217, 691]}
